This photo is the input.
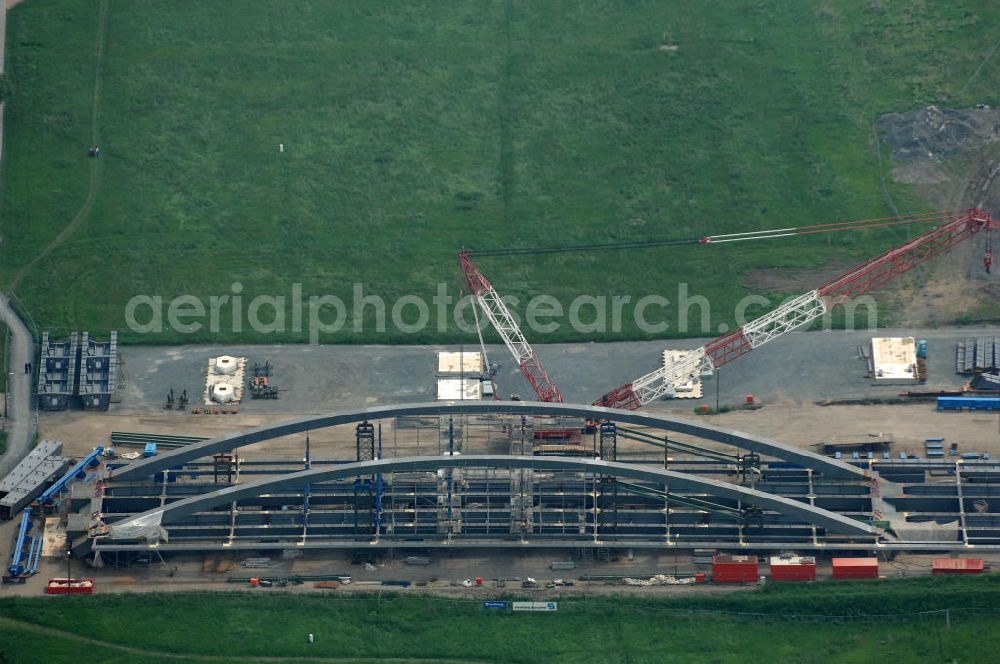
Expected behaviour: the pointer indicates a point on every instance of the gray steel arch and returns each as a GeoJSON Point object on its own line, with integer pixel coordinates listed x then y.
{"type": "Point", "coordinates": [296, 481]}
{"type": "Point", "coordinates": [746, 441]}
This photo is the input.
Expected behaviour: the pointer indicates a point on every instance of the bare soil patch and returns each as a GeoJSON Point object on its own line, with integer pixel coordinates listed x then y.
{"type": "Point", "coordinates": [910, 424]}
{"type": "Point", "coordinates": [944, 291]}
{"type": "Point", "coordinates": [951, 158]}
{"type": "Point", "coordinates": [934, 133]}
{"type": "Point", "coordinates": [919, 172]}
{"type": "Point", "coordinates": [794, 280]}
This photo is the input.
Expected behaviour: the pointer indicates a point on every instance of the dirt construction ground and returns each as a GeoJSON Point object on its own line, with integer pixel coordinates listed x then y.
{"type": "Point", "coordinates": [444, 575]}
{"type": "Point", "coordinates": [809, 368]}
{"type": "Point", "coordinates": [798, 424]}
{"type": "Point", "coordinates": [790, 378]}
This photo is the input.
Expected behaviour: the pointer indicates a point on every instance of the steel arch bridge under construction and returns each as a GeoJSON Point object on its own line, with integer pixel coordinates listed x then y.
{"type": "Point", "coordinates": [741, 491]}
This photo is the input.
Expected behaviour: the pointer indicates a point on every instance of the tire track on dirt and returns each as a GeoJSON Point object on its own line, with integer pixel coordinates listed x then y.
{"type": "Point", "coordinates": [506, 166]}
{"type": "Point", "coordinates": [981, 184]}
{"type": "Point", "coordinates": [95, 167]}
{"type": "Point", "coordinates": [153, 655]}
{"type": "Point", "coordinates": [975, 74]}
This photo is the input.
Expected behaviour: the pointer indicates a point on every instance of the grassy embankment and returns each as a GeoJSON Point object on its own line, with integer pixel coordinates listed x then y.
{"type": "Point", "coordinates": [413, 130]}
{"type": "Point", "coordinates": [770, 627]}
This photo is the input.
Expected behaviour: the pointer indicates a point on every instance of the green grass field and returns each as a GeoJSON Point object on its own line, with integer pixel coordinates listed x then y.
{"type": "Point", "coordinates": [4, 342]}
{"type": "Point", "coordinates": [414, 129]}
{"type": "Point", "coordinates": [139, 627]}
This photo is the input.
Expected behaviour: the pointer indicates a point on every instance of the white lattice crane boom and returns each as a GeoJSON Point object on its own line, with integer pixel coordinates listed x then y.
{"type": "Point", "coordinates": [958, 226]}
{"type": "Point", "coordinates": [503, 322]}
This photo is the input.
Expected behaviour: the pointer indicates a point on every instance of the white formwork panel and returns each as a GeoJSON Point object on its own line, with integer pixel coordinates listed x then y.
{"type": "Point", "coordinates": [894, 360]}
{"type": "Point", "coordinates": [468, 363]}
{"type": "Point", "coordinates": [459, 389]}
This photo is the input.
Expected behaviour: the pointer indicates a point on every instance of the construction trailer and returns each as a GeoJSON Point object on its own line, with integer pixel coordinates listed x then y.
{"type": "Point", "coordinates": [728, 568]}
{"type": "Point", "coordinates": [958, 566]}
{"type": "Point", "coordinates": [793, 568]}
{"type": "Point", "coordinates": [855, 568]}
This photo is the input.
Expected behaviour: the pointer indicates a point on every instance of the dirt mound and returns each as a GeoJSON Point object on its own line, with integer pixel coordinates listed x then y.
{"type": "Point", "coordinates": [934, 133]}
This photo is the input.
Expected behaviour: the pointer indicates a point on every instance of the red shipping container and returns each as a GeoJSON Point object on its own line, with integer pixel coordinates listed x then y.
{"type": "Point", "coordinates": [855, 568]}
{"type": "Point", "coordinates": [734, 569]}
{"type": "Point", "coordinates": [958, 566]}
{"type": "Point", "coordinates": [795, 568]}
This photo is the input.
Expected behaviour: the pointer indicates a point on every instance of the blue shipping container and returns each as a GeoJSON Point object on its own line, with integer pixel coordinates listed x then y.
{"type": "Point", "coordinates": [972, 403]}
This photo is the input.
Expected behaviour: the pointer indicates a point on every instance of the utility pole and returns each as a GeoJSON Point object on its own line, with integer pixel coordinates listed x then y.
{"type": "Point", "coordinates": [718, 379]}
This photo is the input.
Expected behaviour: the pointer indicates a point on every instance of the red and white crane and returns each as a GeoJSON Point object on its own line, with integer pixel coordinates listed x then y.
{"type": "Point", "coordinates": [957, 226]}
{"type": "Point", "coordinates": [503, 322]}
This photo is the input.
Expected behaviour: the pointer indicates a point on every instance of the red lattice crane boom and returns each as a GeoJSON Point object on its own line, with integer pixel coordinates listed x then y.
{"type": "Point", "coordinates": [957, 226]}
{"type": "Point", "coordinates": [503, 322]}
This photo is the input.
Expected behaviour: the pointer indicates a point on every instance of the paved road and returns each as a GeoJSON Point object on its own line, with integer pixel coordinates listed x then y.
{"type": "Point", "coordinates": [3, 53]}
{"type": "Point", "coordinates": [19, 420]}
{"type": "Point", "coordinates": [19, 425]}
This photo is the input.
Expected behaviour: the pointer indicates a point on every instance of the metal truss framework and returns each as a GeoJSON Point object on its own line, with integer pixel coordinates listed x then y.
{"type": "Point", "coordinates": [743, 441]}
{"type": "Point", "coordinates": [664, 381]}
{"type": "Point", "coordinates": [805, 512]}
{"type": "Point", "coordinates": [503, 321]}
{"type": "Point", "coordinates": [789, 316]}
{"type": "Point", "coordinates": [799, 312]}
